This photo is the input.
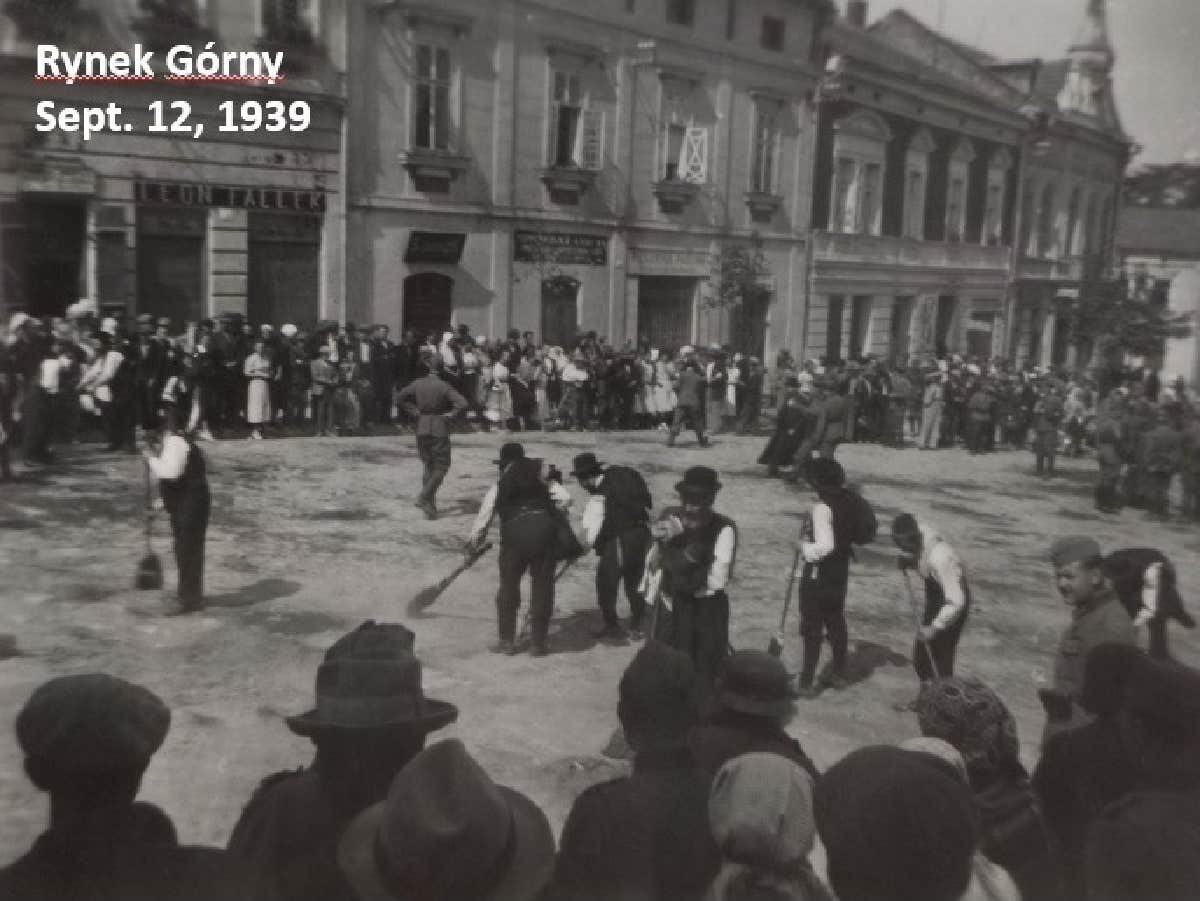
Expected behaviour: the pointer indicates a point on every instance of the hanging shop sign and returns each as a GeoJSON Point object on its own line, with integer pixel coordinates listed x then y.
{"type": "Point", "coordinates": [169, 193]}
{"type": "Point", "coordinates": [434, 247]}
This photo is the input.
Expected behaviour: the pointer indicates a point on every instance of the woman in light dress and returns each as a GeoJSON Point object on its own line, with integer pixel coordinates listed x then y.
{"type": "Point", "coordinates": [499, 406]}
{"type": "Point", "coordinates": [257, 370]}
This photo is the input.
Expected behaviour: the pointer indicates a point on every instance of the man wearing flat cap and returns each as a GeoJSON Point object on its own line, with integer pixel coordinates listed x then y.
{"type": "Point", "coordinates": [87, 740]}
{"type": "Point", "coordinates": [371, 718]}
{"type": "Point", "coordinates": [694, 555]}
{"type": "Point", "coordinates": [616, 525]}
{"type": "Point", "coordinates": [1097, 618]}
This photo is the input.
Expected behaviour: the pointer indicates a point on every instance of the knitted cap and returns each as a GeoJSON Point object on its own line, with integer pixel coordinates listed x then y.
{"type": "Point", "coordinates": [895, 825]}
{"type": "Point", "coordinates": [760, 811]}
{"type": "Point", "coordinates": [970, 716]}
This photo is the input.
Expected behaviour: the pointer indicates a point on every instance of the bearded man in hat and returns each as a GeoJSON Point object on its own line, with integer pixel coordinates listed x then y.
{"type": "Point", "coordinates": [530, 502]}
{"type": "Point", "coordinates": [87, 740]}
{"type": "Point", "coordinates": [616, 526]}
{"type": "Point", "coordinates": [1097, 617]}
{"type": "Point", "coordinates": [371, 718]}
{"type": "Point", "coordinates": [433, 403]}
{"type": "Point", "coordinates": [694, 555]}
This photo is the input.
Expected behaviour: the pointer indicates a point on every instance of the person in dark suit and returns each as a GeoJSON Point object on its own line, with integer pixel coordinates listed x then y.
{"type": "Point", "coordinates": [689, 407]}
{"type": "Point", "coordinates": [183, 484]}
{"type": "Point", "coordinates": [616, 525]}
{"type": "Point", "coordinates": [432, 403]}
{"type": "Point", "coordinates": [383, 374]}
{"type": "Point", "coordinates": [1147, 587]}
{"type": "Point", "coordinates": [87, 740]}
{"type": "Point", "coordinates": [645, 835]}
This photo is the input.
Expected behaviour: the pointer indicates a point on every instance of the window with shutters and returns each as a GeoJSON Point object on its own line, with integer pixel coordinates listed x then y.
{"type": "Point", "coordinates": [566, 109]}
{"type": "Point", "coordinates": [683, 144]}
{"type": "Point", "coordinates": [869, 205]}
{"type": "Point", "coordinates": [860, 153]}
{"type": "Point", "coordinates": [1074, 245]}
{"type": "Point", "coordinates": [763, 165]}
{"type": "Point", "coordinates": [841, 215]}
{"type": "Point", "coordinates": [431, 98]}
{"type": "Point", "coordinates": [1045, 223]}
{"type": "Point", "coordinates": [916, 183]}
{"type": "Point", "coordinates": [993, 209]}
{"type": "Point", "coordinates": [958, 174]}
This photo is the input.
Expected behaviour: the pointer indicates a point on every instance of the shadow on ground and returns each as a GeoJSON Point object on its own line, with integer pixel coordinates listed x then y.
{"type": "Point", "coordinates": [256, 593]}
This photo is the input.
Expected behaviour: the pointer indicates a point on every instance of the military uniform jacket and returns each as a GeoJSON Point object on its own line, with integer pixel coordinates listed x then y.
{"type": "Point", "coordinates": [429, 399]}
{"type": "Point", "coordinates": [1161, 449]}
{"type": "Point", "coordinates": [1103, 623]}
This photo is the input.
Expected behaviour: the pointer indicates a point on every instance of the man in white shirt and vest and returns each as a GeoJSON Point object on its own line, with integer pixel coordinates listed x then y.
{"type": "Point", "coordinates": [947, 595]}
{"type": "Point", "coordinates": [183, 484]}
{"type": "Point", "coordinates": [694, 554]}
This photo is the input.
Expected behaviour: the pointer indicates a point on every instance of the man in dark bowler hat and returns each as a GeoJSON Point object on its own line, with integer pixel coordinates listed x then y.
{"type": "Point", "coordinates": [694, 555]}
{"type": "Point", "coordinates": [87, 740]}
{"type": "Point", "coordinates": [432, 403]}
{"type": "Point", "coordinates": [754, 702]}
{"type": "Point", "coordinates": [616, 524]}
{"type": "Point", "coordinates": [525, 497]}
{"type": "Point", "coordinates": [183, 483]}
{"type": "Point", "coordinates": [150, 357]}
{"type": "Point", "coordinates": [371, 718]}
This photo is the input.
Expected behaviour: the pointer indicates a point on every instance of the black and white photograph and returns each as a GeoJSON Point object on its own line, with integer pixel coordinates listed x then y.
{"type": "Point", "coordinates": [599, 450]}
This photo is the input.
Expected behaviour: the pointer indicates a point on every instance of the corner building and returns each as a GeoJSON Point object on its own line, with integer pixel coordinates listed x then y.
{"type": "Point", "coordinates": [560, 167]}
{"type": "Point", "coordinates": [144, 221]}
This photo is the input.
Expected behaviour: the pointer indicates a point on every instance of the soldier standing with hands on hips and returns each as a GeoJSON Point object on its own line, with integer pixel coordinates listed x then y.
{"type": "Point", "coordinates": [432, 403]}
{"type": "Point", "coordinates": [694, 554]}
{"type": "Point", "coordinates": [616, 525]}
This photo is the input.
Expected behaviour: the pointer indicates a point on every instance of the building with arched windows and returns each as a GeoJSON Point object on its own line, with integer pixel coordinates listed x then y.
{"type": "Point", "coordinates": [961, 202]}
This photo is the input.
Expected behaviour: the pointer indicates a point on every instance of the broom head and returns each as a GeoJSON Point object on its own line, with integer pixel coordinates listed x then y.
{"type": "Point", "coordinates": [149, 573]}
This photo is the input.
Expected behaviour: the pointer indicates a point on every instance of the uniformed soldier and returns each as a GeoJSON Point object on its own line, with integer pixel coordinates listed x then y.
{"type": "Point", "coordinates": [1097, 617]}
{"type": "Point", "coordinates": [1161, 454]}
{"type": "Point", "coordinates": [433, 403]}
{"type": "Point", "coordinates": [694, 556]}
{"type": "Point", "coordinates": [183, 484]}
{"type": "Point", "coordinates": [616, 525]}
{"type": "Point", "coordinates": [528, 501]}
{"type": "Point", "coordinates": [1108, 455]}
{"type": "Point", "coordinates": [1047, 416]}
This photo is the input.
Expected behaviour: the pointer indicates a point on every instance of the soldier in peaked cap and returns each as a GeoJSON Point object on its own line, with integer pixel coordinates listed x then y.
{"type": "Point", "coordinates": [1097, 618]}
{"type": "Point", "coordinates": [371, 717]}
{"type": "Point", "coordinates": [694, 556]}
{"type": "Point", "coordinates": [87, 740]}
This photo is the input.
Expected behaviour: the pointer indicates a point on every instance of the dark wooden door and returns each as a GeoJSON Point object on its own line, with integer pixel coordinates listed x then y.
{"type": "Point", "coordinates": [560, 311]}
{"type": "Point", "coordinates": [428, 298]}
{"type": "Point", "coordinates": [665, 310]}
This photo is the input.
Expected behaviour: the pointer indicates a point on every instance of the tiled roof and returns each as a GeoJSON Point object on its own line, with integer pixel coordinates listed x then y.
{"type": "Point", "coordinates": [1160, 230]}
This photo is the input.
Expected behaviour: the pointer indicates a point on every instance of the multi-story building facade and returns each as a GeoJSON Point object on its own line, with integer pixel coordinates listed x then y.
{"type": "Point", "coordinates": [557, 167]}
{"type": "Point", "coordinates": [960, 200]}
{"type": "Point", "coordinates": [150, 220]}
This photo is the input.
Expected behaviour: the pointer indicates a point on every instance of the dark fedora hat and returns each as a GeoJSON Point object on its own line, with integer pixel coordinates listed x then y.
{"type": "Point", "coordinates": [755, 682]}
{"type": "Point", "coordinates": [699, 480]}
{"type": "Point", "coordinates": [447, 831]}
{"type": "Point", "coordinates": [510, 451]}
{"type": "Point", "coordinates": [586, 465]}
{"type": "Point", "coordinates": [370, 679]}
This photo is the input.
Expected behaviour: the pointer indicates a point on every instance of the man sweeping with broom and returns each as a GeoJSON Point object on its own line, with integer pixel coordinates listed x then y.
{"type": "Point", "coordinates": [947, 595]}
{"type": "Point", "coordinates": [183, 484]}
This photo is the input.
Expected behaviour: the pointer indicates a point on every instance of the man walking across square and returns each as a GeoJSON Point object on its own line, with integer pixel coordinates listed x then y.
{"type": "Point", "coordinates": [433, 403]}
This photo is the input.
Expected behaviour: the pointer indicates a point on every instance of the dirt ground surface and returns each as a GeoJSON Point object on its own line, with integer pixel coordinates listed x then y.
{"type": "Point", "coordinates": [310, 537]}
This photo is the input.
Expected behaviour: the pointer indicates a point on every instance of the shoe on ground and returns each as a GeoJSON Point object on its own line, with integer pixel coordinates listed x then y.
{"type": "Point", "coordinates": [836, 681]}
{"type": "Point", "coordinates": [429, 509]}
{"type": "Point", "coordinates": [504, 646]}
{"type": "Point", "coordinates": [609, 631]}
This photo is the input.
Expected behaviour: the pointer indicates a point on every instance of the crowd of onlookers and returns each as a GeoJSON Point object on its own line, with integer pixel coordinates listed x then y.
{"type": "Point", "coordinates": [720, 803]}
{"type": "Point", "coordinates": [83, 374]}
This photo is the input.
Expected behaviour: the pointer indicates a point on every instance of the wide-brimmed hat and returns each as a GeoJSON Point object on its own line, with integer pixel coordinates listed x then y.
{"type": "Point", "coordinates": [370, 679]}
{"type": "Point", "coordinates": [755, 682]}
{"type": "Point", "coordinates": [586, 465]}
{"type": "Point", "coordinates": [447, 831]}
{"type": "Point", "coordinates": [510, 452]}
{"type": "Point", "coordinates": [699, 480]}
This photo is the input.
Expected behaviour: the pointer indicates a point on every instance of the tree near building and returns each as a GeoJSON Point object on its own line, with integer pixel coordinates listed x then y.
{"type": "Point", "coordinates": [740, 285]}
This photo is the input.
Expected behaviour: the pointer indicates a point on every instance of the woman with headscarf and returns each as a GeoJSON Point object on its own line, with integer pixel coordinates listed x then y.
{"type": "Point", "coordinates": [499, 403]}
{"type": "Point", "coordinates": [970, 716]}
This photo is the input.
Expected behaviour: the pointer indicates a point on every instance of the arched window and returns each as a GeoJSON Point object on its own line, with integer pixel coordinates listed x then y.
{"type": "Point", "coordinates": [427, 303]}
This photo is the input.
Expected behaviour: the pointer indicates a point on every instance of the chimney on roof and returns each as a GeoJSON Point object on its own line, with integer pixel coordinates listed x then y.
{"type": "Point", "coordinates": [856, 13]}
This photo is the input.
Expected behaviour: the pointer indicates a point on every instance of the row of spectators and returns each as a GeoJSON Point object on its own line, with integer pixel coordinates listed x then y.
{"type": "Point", "coordinates": [720, 804]}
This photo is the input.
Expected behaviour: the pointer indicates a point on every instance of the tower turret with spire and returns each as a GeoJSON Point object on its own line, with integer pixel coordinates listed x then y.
{"type": "Point", "coordinates": [1091, 56]}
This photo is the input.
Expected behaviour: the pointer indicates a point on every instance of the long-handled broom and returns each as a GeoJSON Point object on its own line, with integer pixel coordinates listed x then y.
{"type": "Point", "coordinates": [149, 570]}
{"type": "Point", "coordinates": [775, 647]}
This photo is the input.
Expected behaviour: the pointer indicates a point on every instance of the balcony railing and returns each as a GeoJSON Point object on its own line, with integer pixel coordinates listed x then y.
{"type": "Point", "coordinates": [889, 250]}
